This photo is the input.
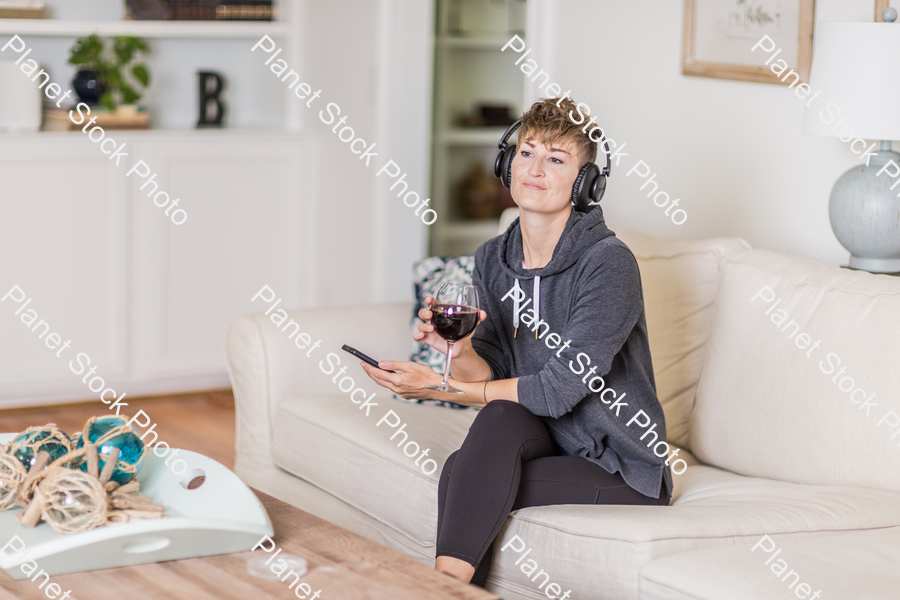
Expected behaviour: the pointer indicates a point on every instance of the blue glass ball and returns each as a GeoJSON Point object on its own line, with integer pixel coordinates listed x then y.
{"type": "Point", "coordinates": [130, 446]}
{"type": "Point", "coordinates": [27, 454]}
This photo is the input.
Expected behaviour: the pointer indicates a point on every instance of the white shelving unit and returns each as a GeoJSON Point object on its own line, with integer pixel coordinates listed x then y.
{"type": "Point", "coordinates": [469, 70]}
{"type": "Point", "coordinates": [148, 29]}
{"type": "Point", "coordinates": [254, 98]}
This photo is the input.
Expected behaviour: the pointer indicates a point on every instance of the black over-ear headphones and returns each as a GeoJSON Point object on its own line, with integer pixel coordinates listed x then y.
{"type": "Point", "coordinates": [589, 185]}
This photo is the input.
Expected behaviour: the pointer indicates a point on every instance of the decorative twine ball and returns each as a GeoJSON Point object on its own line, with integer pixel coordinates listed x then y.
{"type": "Point", "coordinates": [11, 475]}
{"type": "Point", "coordinates": [34, 440]}
{"type": "Point", "coordinates": [109, 433]}
{"type": "Point", "coordinates": [73, 501]}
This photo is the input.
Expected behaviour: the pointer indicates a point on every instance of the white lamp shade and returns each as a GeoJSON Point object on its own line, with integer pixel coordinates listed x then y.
{"type": "Point", "coordinates": [855, 67]}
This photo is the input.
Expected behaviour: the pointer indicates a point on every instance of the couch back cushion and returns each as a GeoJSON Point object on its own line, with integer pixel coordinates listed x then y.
{"type": "Point", "coordinates": [680, 279]}
{"type": "Point", "coordinates": [799, 382]}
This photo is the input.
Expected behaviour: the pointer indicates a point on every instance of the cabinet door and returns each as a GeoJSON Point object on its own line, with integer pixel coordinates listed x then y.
{"type": "Point", "coordinates": [146, 301]}
{"type": "Point", "coordinates": [249, 224]}
{"type": "Point", "coordinates": [64, 242]}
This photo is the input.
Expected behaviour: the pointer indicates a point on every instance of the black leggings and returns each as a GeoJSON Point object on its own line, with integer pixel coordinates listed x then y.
{"type": "Point", "coordinates": [509, 461]}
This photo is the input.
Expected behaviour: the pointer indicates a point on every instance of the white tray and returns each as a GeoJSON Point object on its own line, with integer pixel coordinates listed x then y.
{"type": "Point", "coordinates": [221, 516]}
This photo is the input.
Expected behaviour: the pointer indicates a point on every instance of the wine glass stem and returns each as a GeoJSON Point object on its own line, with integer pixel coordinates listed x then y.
{"type": "Point", "coordinates": [447, 364]}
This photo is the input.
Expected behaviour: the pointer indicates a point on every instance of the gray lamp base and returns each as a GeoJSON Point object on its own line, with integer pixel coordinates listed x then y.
{"type": "Point", "coordinates": [888, 266]}
{"type": "Point", "coordinates": [891, 273]}
{"type": "Point", "coordinates": [864, 213]}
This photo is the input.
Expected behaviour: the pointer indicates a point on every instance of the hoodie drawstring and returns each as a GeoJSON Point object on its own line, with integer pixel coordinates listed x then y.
{"type": "Point", "coordinates": [536, 309]}
{"type": "Point", "coordinates": [516, 308]}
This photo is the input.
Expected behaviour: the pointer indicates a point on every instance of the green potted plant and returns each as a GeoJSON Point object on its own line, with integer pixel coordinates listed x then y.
{"type": "Point", "coordinates": [109, 78]}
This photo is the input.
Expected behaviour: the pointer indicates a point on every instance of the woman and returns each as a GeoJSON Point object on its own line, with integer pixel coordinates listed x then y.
{"type": "Point", "coordinates": [558, 373]}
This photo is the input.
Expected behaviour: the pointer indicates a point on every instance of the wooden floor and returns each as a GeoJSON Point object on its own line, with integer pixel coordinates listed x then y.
{"type": "Point", "coordinates": [202, 422]}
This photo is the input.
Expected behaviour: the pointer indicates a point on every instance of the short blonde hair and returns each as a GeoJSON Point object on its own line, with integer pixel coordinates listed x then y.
{"type": "Point", "coordinates": [546, 122]}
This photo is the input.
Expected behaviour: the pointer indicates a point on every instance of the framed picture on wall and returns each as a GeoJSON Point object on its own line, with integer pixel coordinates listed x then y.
{"type": "Point", "coordinates": [719, 35]}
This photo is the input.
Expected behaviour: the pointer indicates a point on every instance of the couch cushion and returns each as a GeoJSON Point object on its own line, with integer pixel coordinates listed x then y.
{"type": "Point", "coordinates": [329, 442]}
{"type": "Point", "coordinates": [590, 548]}
{"type": "Point", "coordinates": [862, 566]}
{"type": "Point", "coordinates": [768, 407]}
{"type": "Point", "coordinates": [680, 279]}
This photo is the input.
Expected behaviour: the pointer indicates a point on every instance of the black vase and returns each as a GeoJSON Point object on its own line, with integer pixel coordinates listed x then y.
{"type": "Point", "coordinates": [89, 87]}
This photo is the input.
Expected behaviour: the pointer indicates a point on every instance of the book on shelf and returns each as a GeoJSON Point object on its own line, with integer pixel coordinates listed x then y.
{"type": "Point", "coordinates": [201, 10]}
{"type": "Point", "coordinates": [57, 119]}
{"type": "Point", "coordinates": [213, 10]}
{"type": "Point", "coordinates": [245, 10]}
{"type": "Point", "coordinates": [192, 10]}
{"type": "Point", "coordinates": [22, 9]}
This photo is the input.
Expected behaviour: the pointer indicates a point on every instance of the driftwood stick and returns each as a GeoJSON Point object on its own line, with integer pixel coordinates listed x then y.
{"type": "Point", "coordinates": [123, 516]}
{"type": "Point", "coordinates": [136, 498]}
{"type": "Point", "coordinates": [124, 502]}
{"type": "Point", "coordinates": [109, 466]}
{"type": "Point", "coordinates": [133, 497]}
{"type": "Point", "coordinates": [34, 474]}
{"type": "Point", "coordinates": [32, 513]}
{"type": "Point", "coordinates": [92, 466]}
{"type": "Point", "coordinates": [131, 486]}
{"type": "Point", "coordinates": [116, 517]}
{"type": "Point", "coordinates": [142, 514]}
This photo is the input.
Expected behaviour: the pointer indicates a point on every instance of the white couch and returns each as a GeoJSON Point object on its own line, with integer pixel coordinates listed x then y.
{"type": "Point", "coordinates": [780, 449]}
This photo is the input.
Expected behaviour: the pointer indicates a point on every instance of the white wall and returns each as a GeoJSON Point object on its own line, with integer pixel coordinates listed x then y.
{"type": "Point", "coordinates": [373, 59]}
{"type": "Point", "coordinates": [732, 151]}
{"type": "Point", "coordinates": [406, 71]}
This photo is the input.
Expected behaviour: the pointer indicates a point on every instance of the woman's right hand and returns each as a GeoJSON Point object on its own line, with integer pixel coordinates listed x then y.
{"type": "Point", "coordinates": [427, 335]}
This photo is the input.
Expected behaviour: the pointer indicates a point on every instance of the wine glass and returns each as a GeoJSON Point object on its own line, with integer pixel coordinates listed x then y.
{"type": "Point", "coordinates": [454, 315]}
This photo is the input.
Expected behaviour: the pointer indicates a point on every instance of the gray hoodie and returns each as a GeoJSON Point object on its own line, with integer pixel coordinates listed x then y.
{"type": "Point", "coordinates": [589, 308]}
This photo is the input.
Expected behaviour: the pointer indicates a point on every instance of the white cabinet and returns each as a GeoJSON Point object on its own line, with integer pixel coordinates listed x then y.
{"type": "Point", "coordinates": [147, 300]}
{"type": "Point", "coordinates": [250, 225]}
{"type": "Point", "coordinates": [64, 230]}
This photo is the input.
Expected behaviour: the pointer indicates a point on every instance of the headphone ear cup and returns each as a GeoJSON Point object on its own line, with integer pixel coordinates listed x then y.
{"type": "Point", "coordinates": [498, 163]}
{"type": "Point", "coordinates": [504, 161]}
{"type": "Point", "coordinates": [578, 186]}
{"type": "Point", "coordinates": [585, 183]}
{"type": "Point", "coordinates": [599, 188]}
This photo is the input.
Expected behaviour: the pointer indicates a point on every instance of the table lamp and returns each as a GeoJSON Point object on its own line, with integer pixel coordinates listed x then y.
{"type": "Point", "coordinates": [854, 67]}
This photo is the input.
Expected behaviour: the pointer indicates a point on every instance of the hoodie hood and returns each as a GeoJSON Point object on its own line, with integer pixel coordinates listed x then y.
{"type": "Point", "coordinates": [582, 231]}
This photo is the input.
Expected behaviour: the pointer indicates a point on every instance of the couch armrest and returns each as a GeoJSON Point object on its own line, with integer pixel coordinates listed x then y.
{"type": "Point", "coordinates": [267, 366]}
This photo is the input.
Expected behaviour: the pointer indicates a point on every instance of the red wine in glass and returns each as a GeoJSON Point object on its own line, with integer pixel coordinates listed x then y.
{"type": "Point", "coordinates": [454, 315]}
{"type": "Point", "coordinates": [453, 322]}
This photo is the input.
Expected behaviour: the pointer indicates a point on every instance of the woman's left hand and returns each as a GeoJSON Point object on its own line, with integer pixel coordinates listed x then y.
{"type": "Point", "coordinates": [409, 383]}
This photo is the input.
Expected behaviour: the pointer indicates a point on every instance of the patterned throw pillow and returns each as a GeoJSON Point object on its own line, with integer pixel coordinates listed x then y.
{"type": "Point", "coordinates": [428, 276]}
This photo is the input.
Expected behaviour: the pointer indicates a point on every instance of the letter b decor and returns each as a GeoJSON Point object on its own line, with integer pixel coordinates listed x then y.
{"type": "Point", "coordinates": [211, 85]}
